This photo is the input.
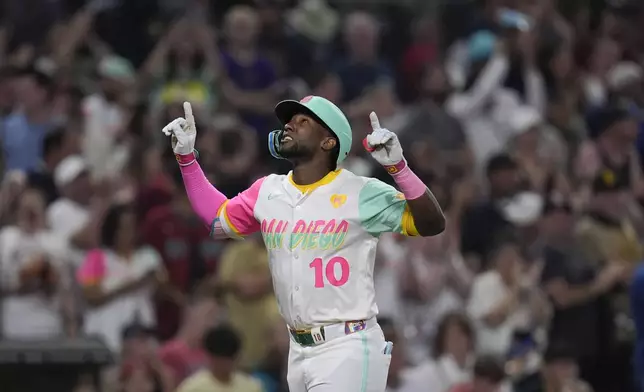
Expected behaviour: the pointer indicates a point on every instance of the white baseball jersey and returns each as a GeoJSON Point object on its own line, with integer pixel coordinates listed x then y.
{"type": "Point", "coordinates": [321, 240]}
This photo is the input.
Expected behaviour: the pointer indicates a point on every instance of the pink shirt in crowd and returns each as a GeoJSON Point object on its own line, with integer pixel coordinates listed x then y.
{"type": "Point", "coordinates": [182, 359]}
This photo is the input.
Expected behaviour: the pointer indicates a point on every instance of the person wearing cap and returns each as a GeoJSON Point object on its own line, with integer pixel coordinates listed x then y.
{"type": "Point", "coordinates": [139, 355]}
{"type": "Point", "coordinates": [320, 225]}
{"type": "Point", "coordinates": [608, 236]}
{"type": "Point", "coordinates": [538, 150]}
{"type": "Point", "coordinates": [72, 215]}
{"type": "Point", "coordinates": [607, 230]}
{"type": "Point", "coordinates": [613, 132]}
{"type": "Point", "coordinates": [104, 116]}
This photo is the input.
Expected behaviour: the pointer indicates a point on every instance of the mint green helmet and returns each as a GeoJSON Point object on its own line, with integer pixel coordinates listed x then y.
{"type": "Point", "coordinates": [323, 111]}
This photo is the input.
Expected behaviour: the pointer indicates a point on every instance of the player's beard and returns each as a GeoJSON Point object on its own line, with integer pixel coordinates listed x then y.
{"type": "Point", "coordinates": [294, 150]}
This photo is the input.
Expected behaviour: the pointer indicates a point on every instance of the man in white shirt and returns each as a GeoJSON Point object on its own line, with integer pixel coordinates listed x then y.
{"type": "Point", "coordinates": [105, 119]}
{"type": "Point", "coordinates": [72, 216]}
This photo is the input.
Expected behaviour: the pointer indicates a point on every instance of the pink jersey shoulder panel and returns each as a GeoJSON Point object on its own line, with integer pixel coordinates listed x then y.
{"type": "Point", "coordinates": [240, 210]}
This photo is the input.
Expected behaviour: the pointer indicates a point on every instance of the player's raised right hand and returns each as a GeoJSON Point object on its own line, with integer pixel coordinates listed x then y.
{"type": "Point", "coordinates": [183, 132]}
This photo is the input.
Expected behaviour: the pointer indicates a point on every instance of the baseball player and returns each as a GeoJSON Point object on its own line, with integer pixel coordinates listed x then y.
{"type": "Point", "coordinates": [321, 226]}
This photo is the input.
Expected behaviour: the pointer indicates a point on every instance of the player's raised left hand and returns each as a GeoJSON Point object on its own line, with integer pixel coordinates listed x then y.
{"type": "Point", "coordinates": [382, 144]}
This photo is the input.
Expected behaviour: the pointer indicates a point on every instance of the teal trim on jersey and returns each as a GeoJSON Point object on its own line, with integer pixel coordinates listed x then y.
{"type": "Point", "coordinates": [381, 208]}
{"type": "Point", "coordinates": [365, 362]}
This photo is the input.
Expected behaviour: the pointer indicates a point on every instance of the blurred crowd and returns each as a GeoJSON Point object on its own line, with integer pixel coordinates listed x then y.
{"type": "Point", "coordinates": [524, 117]}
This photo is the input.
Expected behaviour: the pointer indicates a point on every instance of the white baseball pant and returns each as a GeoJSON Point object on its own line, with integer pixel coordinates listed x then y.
{"type": "Point", "coordinates": [351, 363]}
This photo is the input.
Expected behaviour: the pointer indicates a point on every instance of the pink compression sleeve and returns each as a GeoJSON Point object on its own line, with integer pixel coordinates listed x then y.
{"type": "Point", "coordinates": [408, 182]}
{"type": "Point", "coordinates": [204, 197]}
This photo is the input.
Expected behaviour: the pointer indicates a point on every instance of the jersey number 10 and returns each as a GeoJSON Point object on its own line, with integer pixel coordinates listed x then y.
{"type": "Point", "coordinates": [329, 271]}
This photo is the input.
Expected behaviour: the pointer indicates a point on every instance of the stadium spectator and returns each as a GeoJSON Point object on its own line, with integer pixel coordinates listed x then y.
{"type": "Point", "coordinates": [56, 147]}
{"type": "Point", "coordinates": [271, 372]}
{"type": "Point", "coordinates": [429, 122]}
{"type": "Point", "coordinates": [181, 68]}
{"type": "Point", "coordinates": [119, 279]}
{"type": "Point", "coordinates": [185, 354]}
{"type": "Point", "coordinates": [223, 347]}
{"type": "Point", "coordinates": [244, 274]}
{"type": "Point", "coordinates": [75, 215]}
{"type": "Point", "coordinates": [576, 286]}
{"type": "Point", "coordinates": [503, 301]}
{"type": "Point", "coordinates": [560, 371]}
{"type": "Point", "coordinates": [105, 114]}
{"type": "Point", "coordinates": [453, 351]}
{"type": "Point", "coordinates": [484, 222]}
{"type": "Point", "coordinates": [488, 377]}
{"type": "Point", "coordinates": [397, 377]}
{"type": "Point", "coordinates": [140, 366]}
{"type": "Point", "coordinates": [36, 276]}
{"type": "Point", "coordinates": [188, 253]}
{"type": "Point", "coordinates": [251, 85]}
{"type": "Point", "coordinates": [22, 132]}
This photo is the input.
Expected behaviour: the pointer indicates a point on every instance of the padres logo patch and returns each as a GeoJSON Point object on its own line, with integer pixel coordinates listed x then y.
{"type": "Point", "coordinates": [306, 99]}
{"type": "Point", "coordinates": [392, 169]}
{"type": "Point", "coordinates": [338, 200]}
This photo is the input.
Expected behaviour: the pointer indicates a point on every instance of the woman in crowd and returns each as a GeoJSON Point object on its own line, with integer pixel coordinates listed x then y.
{"type": "Point", "coordinates": [453, 355]}
{"type": "Point", "coordinates": [119, 278]}
{"type": "Point", "coordinates": [505, 300]}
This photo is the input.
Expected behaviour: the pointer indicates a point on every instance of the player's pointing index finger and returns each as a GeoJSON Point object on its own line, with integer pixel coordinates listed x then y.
{"type": "Point", "coordinates": [187, 108]}
{"type": "Point", "coordinates": [375, 123]}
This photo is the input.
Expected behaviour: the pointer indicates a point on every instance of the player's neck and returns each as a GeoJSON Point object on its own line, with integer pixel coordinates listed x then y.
{"type": "Point", "coordinates": [307, 173]}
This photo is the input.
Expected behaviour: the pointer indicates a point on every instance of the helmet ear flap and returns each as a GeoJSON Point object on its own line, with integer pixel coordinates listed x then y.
{"type": "Point", "coordinates": [274, 143]}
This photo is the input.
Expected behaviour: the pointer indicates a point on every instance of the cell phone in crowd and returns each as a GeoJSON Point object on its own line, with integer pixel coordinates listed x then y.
{"type": "Point", "coordinates": [511, 19]}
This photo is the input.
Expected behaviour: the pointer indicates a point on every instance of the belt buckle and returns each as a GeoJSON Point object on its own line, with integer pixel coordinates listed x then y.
{"type": "Point", "coordinates": [316, 334]}
{"type": "Point", "coordinates": [354, 326]}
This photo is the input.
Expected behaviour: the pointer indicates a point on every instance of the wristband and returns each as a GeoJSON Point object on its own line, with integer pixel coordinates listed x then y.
{"type": "Point", "coordinates": [397, 168]}
{"type": "Point", "coordinates": [188, 159]}
{"type": "Point", "coordinates": [410, 185]}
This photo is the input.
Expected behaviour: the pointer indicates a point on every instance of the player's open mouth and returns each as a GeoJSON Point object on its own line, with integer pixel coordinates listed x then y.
{"type": "Point", "coordinates": [286, 139]}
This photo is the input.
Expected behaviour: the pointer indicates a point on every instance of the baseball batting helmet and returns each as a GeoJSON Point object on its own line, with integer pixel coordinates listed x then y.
{"type": "Point", "coordinates": [323, 111]}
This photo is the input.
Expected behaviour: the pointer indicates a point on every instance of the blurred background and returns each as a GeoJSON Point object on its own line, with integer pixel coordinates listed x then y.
{"type": "Point", "coordinates": [525, 118]}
